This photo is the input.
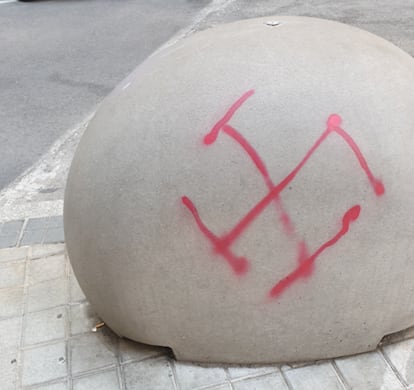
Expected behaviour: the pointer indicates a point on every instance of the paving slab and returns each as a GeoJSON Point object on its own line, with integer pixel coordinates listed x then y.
{"type": "Point", "coordinates": [48, 268]}
{"type": "Point", "coordinates": [91, 351]}
{"type": "Point", "coordinates": [107, 380]}
{"type": "Point", "coordinates": [7, 255]}
{"type": "Point", "coordinates": [45, 326]}
{"type": "Point", "coordinates": [190, 376]}
{"type": "Point", "coordinates": [401, 358]}
{"type": "Point", "coordinates": [319, 376]}
{"type": "Point", "coordinates": [368, 371]}
{"type": "Point", "coordinates": [12, 275]}
{"type": "Point", "coordinates": [47, 294]}
{"type": "Point", "coordinates": [11, 302]}
{"type": "Point", "coordinates": [149, 374]}
{"type": "Point", "coordinates": [272, 381]}
{"type": "Point", "coordinates": [10, 334]}
{"type": "Point", "coordinates": [44, 363]}
{"type": "Point", "coordinates": [8, 370]}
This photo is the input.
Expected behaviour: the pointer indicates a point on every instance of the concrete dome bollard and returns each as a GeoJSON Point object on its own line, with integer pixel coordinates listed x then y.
{"type": "Point", "coordinates": [246, 195]}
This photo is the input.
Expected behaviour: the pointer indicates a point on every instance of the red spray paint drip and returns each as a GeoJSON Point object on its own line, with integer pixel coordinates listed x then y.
{"type": "Point", "coordinates": [239, 264]}
{"type": "Point", "coordinates": [304, 268]}
{"type": "Point", "coordinates": [305, 262]}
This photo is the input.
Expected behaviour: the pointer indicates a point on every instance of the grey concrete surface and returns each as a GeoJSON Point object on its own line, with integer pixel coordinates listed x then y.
{"type": "Point", "coordinates": [323, 265]}
{"type": "Point", "coordinates": [52, 346]}
{"type": "Point", "coordinates": [58, 59]}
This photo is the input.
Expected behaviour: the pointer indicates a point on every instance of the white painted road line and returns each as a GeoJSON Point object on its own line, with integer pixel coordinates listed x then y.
{"type": "Point", "coordinates": [7, 1]}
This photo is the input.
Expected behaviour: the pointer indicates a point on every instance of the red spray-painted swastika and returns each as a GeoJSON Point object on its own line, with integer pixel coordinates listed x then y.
{"type": "Point", "coordinates": [305, 263]}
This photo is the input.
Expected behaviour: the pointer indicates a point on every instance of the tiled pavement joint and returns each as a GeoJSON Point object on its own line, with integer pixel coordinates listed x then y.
{"type": "Point", "coordinates": [174, 376]}
{"type": "Point", "coordinates": [341, 378]}
{"type": "Point", "coordinates": [68, 324]}
{"type": "Point", "coordinates": [19, 239]}
{"type": "Point", "coordinates": [46, 230]}
{"type": "Point", "coordinates": [25, 288]}
{"type": "Point", "coordinates": [288, 384]}
{"type": "Point", "coordinates": [393, 368]}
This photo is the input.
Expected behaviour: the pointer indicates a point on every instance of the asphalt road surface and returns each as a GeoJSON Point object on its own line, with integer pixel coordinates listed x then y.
{"type": "Point", "coordinates": [59, 58]}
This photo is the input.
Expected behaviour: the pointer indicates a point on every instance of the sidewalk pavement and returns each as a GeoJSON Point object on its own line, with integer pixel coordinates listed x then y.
{"type": "Point", "coordinates": [47, 342]}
